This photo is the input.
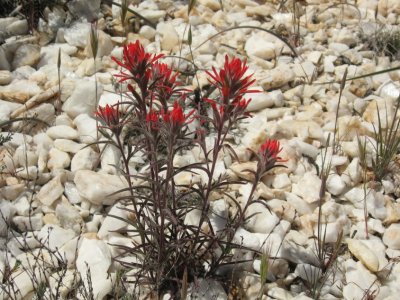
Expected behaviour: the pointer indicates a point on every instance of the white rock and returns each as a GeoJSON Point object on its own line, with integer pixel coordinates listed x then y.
{"type": "Point", "coordinates": [305, 70]}
{"type": "Point", "coordinates": [22, 282]}
{"type": "Point", "coordinates": [338, 48]}
{"type": "Point", "coordinates": [111, 223]}
{"type": "Point", "coordinates": [97, 188]}
{"type": "Point", "coordinates": [308, 272]}
{"type": "Point", "coordinates": [4, 64]}
{"type": "Point", "coordinates": [219, 216]}
{"type": "Point", "coordinates": [62, 283]}
{"type": "Point", "coordinates": [276, 77]}
{"type": "Point", "coordinates": [69, 216]}
{"type": "Point", "coordinates": [19, 27]}
{"type": "Point", "coordinates": [258, 46]}
{"type": "Point", "coordinates": [88, 10]}
{"type": "Point", "coordinates": [263, 222]}
{"type": "Point", "coordinates": [329, 67]}
{"type": "Point", "coordinates": [344, 36]}
{"type": "Point", "coordinates": [54, 236]}
{"type": "Point", "coordinates": [98, 266]}
{"type": "Point", "coordinates": [72, 193]}
{"type": "Point", "coordinates": [42, 140]}
{"type": "Point", "coordinates": [62, 132]}
{"type": "Point", "coordinates": [85, 159]}
{"type": "Point", "coordinates": [298, 203]}
{"type": "Point", "coordinates": [358, 279]}
{"type": "Point", "coordinates": [170, 38]}
{"type": "Point", "coordinates": [206, 289]}
{"type": "Point", "coordinates": [29, 173]}
{"type": "Point", "coordinates": [87, 128]}
{"type": "Point", "coordinates": [24, 157]}
{"type": "Point", "coordinates": [58, 159]}
{"type": "Point", "coordinates": [366, 256]}
{"type": "Point", "coordinates": [11, 192]}
{"type": "Point", "coordinates": [76, 34]}
{"type": "Point", "coordinates": [303, 129]}
{"type": "Point", "coordinates": [391, 237]}
{"type": "Point", "coordinates": [49, 56]}
{"type": "Point", "coordinates": [353, 173]}
{"type": "Point", "coordinates": [20, 90]}
{"type": "Point", "coordinates": [7, 211]}
{"type": "Point", "coordinates": [308, 187]}
{"type": "Point", "coordinates": [68, 145]}
{"type": "Point", "coordinates": [26, 55]}
{"type": "Point", "coordinates": [335, 185]}
{"type": "Point", "coordinates": [64, 120]}
{"type": "Point", "coordinates": [305, 148]}
{"type": "Point", "coordinates": [281, 181]}
{"type": "Point", "coordinates": [332, 230]}
{"type": "Point", "coordinates": [5, 77]}
{"type": "Point", "coordinates": [147, 32]}
{"type": "Point", "coordinates": [299, 254]}
{"type": "Point", "coordinates": [104, 45]}
{"type": "Point", "coordinates": [263, 100]}
{"type": "Point", "coordinates": [389, 90]}
{"type": "Point", "coordinates": [51, 191]}
{"type": "Point", "coordinates": [212, 4]}
{"type": "Point", "coordinates": [29, 223]}
{"type": "Point", "coordinates": [83, 99]}
{"type": "Point", "coordinates": [110, 159]}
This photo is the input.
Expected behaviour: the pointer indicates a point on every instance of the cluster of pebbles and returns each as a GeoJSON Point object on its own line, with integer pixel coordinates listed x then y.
{"type": "Point", "coordinates": [54, 188]}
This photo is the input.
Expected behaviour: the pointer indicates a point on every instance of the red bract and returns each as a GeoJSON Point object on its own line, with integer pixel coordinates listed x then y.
{"type": "Point", "coordinates": [165, 82]}
{"type": "Point", "coordinates": [152, 118]}
{"type": "Point", "coordinates": [176, 115]}
{"type": "Point", "coordinates": [231, 81]}
{"type": "Point", "coordinates": [110, 117]}
{"type": "Point", "coordinates": [270, 150]}
{"type": "Point", "coordinates": [137, 62]}
{"type": "Point", "coordinates": [242, 103]}
{"type": "Point", "coordinates": [269, 155]}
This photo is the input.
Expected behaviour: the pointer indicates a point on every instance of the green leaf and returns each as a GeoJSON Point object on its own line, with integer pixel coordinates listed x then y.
{"type": "Point", "coordinates": [264, 268]}
{"type": "Point", "coordinates": [190, 35]}
{"type": "Point", "coordinates": [192, 3]}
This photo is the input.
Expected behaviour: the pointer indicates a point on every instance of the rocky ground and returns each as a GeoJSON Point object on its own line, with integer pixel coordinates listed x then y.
{"type": "Point", "coordinates": [54, 189]}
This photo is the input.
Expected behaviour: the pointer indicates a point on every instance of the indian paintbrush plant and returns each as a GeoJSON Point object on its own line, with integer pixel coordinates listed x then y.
{"type": "Point", "coordinates": [167, 251]}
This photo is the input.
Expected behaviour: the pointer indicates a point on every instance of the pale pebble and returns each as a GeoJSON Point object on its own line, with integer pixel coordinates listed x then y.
{"type": "Point", "coordinates": [62, 132]}
{"type": "Point", "coordinates": [85, 159]}
{"type": "Point", "coordinates": [58, 159]}
{"type": "Point", "coordinates": [98, 188]}
{"type": "Point", "coordinates": [51, 191]}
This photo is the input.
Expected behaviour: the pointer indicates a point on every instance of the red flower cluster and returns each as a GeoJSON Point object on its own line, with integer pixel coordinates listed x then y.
{"type": "Point", "coordinates": [165, 82]}
{"type": "Point", "coordinates": [231, 80]}
{"type": "Point", "coordinates": [176, 116]}
{"type": "Point", "coordinates": [152, 118]}
{"type": "Point", "coordinates": [269, 155]}
{"type": "Point", "coordinates": [110, 117]}
{"type": "Point", "coordinates": [137, 62]}
{"type": "Point", "coordinates": [270, 149]}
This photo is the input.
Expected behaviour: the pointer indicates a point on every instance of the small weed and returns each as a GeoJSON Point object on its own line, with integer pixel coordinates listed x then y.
{"type": "Point", "coordinates": [385, 41]}
{"type": "Point", "coordinates": [387, 142]}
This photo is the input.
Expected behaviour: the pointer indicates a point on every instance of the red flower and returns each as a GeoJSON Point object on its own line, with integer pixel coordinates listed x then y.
{"type": "Point", "coordinates": [137, 62]}
{"type": "Point", "coordinates": [176, 115]}
{"type": "Point", "coordinates": [231, 80]}
{"type": "Point", "coordinates": [152, 118]}
{"type": "Point", "coordinates": [269, 155]}
{"type": "Point", "coordinates": [165, 82]}
{"type": "Point", "coordinates": [241, 104]}
{"type": "Point", "coordinates": [270, 150]}
{"type": "Point", "coordinates": [110, 117]}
